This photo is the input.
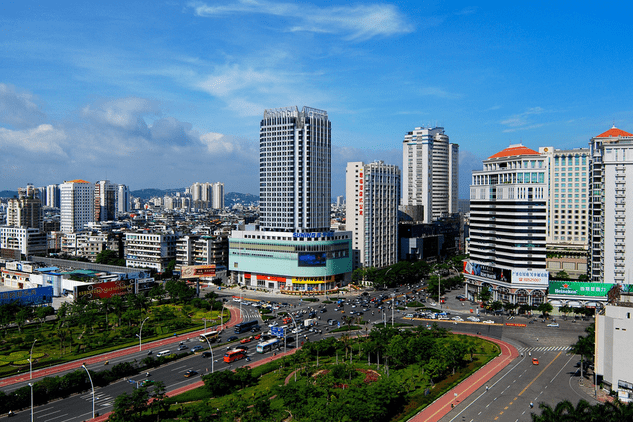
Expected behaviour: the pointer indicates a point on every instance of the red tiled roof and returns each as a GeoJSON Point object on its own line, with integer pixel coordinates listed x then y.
{"type": "Point", "coordinates": [76, 181]}
{"type": "Point", "coordinates": [614, 132]}
{"type": "Point", "coordinates": [514, 150]}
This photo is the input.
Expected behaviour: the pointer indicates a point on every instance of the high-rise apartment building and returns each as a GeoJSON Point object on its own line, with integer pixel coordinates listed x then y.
{"type": "Point", "coordinates": [52, 196]}
{"type": "Point", "coordinates": [373, 195]}
{"type": "Point", "coordinates": [218, 196]}
{"type": "Point", "coordinates": [105, 201]}
{"type": "Point", "coordinates": [294, 170]}
{"type": "Point", "coordinates": [26, 210]}
{"type": "Point", "coordinates": [611, 178]}
{"type": "Point", "coordinates": [293, 249]}
{"type": "Point", "coordinates": [508, 227]}
{"type": "Point", "coordinates": [77, 205]}
{"type": "Point", "coordinates": [123, 199]}
{"type": "Point", "coordinates": [430, 172]}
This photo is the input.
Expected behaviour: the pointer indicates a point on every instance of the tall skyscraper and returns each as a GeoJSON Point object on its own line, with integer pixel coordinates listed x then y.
{"type": "Point", "coordinates": [52, 196]}
{"type": "Point", "coordinates": [123, 199]}
{"type": "Point", "coordinates": [508, 222]}
{"type": "Point", "coordinates": [373, 195]}
{"type": "Point", "coordinates": [105, 201]}
{"type": "Point", "coordinates": [295, 170]}
{"type": "Point", "coordinates": [26, 210]}
{"type": "Point", "coordinates": [293, 249]}
{"type": "Point", "coordinates": [218, 196]}
{"type": "Point", "coordinates": [77, 205]}
{"type": "Point", "coordinates": [611, 171]}
{"type": "Point", "coordinates": [430, 172]}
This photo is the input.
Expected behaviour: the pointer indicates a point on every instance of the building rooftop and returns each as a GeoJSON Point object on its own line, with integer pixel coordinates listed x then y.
{"type": "Point", "coordinates": [614, 132]}
{"type": "Point", "coordinates": [513, 151]}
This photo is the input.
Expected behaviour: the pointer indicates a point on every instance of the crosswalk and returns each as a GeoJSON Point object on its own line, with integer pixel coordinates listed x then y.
{"type": "Point", "coordinates": [102, 400]}
{"type": "Point", "coordinates": [544, 349]}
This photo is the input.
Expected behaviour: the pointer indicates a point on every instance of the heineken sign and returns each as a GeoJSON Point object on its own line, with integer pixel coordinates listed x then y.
{"type": "Point", "coordinates": [578, 288]}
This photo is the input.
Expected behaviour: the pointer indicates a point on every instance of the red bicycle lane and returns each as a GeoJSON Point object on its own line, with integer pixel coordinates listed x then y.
{"type": "Point", "coordinates": [106, 357]}
{"type": "Point", "coordinates": [440, 407]}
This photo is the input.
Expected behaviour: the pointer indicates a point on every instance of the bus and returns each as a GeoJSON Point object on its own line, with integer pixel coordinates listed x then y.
{"type": "Point", "coordinates": [212, 336]}
{"type": "Point", "coordinates": [268, 345]}
{"type": "Point", "coordinates": [235, 354]}
{"type": "Point", "coordinates": [246, 326]}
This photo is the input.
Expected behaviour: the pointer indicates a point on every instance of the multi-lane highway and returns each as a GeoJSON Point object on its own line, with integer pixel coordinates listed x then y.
{"type": "Point", "coordinates": [507, 398]}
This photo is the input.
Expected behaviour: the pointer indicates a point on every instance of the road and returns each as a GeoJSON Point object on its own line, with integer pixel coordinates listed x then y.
{"type": "Point", "coordinates": [507, 399]}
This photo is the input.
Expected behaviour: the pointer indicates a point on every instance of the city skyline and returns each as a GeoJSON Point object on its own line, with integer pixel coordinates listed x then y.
{"type": "Point", "coordinates": [166, 94]}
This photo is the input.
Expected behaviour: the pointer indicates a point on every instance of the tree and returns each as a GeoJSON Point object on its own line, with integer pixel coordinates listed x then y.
{"type": "Point", "coordinates": [130, 407]}
{"type": "Point", "coordinates": [485, 294]}
{"type": "Point", "coordinates": [109, 257]}
{"type": "Point", "coordinates": [585, 346]}
{"type": "Point", "coordinates": [562, 275]}
{"type": "Point", "coordinates": [583, 277]}
{"type": "Point", "coordinates": [545, 308]}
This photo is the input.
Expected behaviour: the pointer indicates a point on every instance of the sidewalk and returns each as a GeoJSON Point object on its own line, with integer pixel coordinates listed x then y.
{"type": "Point", "coordinates": [46, 372]}
{"type": "Point", "coordinates": [440, 407]}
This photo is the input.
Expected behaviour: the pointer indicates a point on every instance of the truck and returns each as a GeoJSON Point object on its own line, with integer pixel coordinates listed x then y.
{"type": "Point", "coordinates": [309, 322]}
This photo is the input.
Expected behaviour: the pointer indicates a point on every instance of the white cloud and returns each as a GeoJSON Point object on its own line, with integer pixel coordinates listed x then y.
{"type": "Point", "coordinates": [19, 109]}
{"type": "Point", "coordinates": [522, 120]}
{"type": "Point", "coordinates": [439, 92]}
{"type": "Point", "coordinates": [41, 140]}
{"type": "Point", "coordinates": [357, 22]}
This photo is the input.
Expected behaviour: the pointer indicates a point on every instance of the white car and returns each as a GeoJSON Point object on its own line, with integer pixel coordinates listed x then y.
{"type": "Point", "coordinates": [457, 318]}
{"type": "Point", "coordinates": [273, 324]}
{"type": "Point", "coordinates": [553, 324]}
{"type": "Point", "coordinates": [489, 321]}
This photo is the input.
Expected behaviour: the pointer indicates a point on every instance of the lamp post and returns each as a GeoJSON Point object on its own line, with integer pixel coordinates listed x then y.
{"type": "Point", "coordinates": [31, 385]}
{"type": "Point", "coordinates": [93, 390]}
{"type": "Point", "coordinates": [393, 305]}
{"type": "Point", "coordinates": [211, 350]}
{"type": "Point", "coordinates": [140, 333]}
{"type": "Point", "coordinates": [31, 360]}
{"type": "Point", "coordinates": [439, 283]}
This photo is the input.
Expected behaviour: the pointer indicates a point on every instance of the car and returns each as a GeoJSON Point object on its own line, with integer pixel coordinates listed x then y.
{"type": "Point", "coordinates": [196, 348]}
{"type": "Point", "coordinates": [255, 329]}
{"type": "Point", "coordinates": [273, 324]}
{"type": "Point", "coordinates": [146, 382]}
{"type": "Point", "coordinates": [553, 324]}
{"type": "Point", "coordinates": [182, 347]}
{"type": "Point", "coordinates": [323, 310]}
{"type": "Point", "coordinates": [489, 321]}
{"type": "Point", "coordinates": [534, 361]}
{"type": "Point", "coordinates": [232, 338]}
{"type": "Point", "coordinates": [257, 337]}
{"type": "Point", "coordinates": [190, 373]}
{"type": "Point", "coordinates": [246, 340]}
{"type": "Point", "coordinates": [206, 354]}
{"type": "Point", "coordinates": [245, 348]}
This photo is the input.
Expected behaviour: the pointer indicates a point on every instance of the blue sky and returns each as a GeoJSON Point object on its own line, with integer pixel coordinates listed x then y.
{"type": "Point", "coordinates": [164, 94]}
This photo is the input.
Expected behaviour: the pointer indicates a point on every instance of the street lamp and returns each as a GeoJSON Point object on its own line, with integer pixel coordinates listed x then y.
{"type": "Point", "coordinates": [140, 333]}
{"type": "Point", "coordinates": [93, 391]}
{"type": "Point", "coordinates": [31, 385]}
{"type": "Point", "coordinates": [393, 305]}
{"type": "Point", "coordinates": [439, 283]}
{"type": "Point", "coordinates": [31, 360]}
{"type": "Point", "coordinates": [212, 359]}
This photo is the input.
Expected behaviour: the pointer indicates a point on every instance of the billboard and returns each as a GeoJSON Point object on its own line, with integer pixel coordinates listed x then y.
{"type": "Point", "coordinates": [530, 277]}
{"type": "Point", "coordinates": [36, 296]}
{"type": "Point", "coordinates": [312, 259]}
{"type": "Point", "coordinates": [197, 271]}
{"type": "Point", "coordinates": [104, 290]}
{"type": "Point", "coordinates": [579, 288]}
{"type": "Point", "coordinates": [493, 273]}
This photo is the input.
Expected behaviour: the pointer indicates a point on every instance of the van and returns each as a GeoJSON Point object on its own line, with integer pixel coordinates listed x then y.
{"type": "Point", "coordinates": [163, 353]}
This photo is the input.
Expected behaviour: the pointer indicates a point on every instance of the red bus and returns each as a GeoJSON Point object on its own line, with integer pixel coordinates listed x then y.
{"type": "Point", "coordinates": [234, 354]}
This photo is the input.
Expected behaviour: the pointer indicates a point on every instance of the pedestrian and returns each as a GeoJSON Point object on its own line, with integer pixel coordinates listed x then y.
{"type": "Point", "coordinates": [486, 388]}
{"type": "Point", "coordinates": [531, 405]}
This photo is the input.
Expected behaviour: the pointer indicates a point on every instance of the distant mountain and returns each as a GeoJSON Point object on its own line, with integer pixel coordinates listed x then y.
{"type": "Point", "coordinates": [8, 193]}
{"type": "Point", "coordinates": [151, 192]}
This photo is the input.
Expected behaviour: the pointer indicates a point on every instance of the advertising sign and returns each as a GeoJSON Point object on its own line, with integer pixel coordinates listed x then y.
{"type": "Point", "coordinates": [197, 271]}
{"type": "Point", "coordinates": [579, 288]}
{"type": "Point", "coordinates": [36, 296]}
{"type": "Point", "coordinates": [530, 277]}
{"type": "Point", "coordinates": [494, 273]}
{"type": "Point", "coordinates": [312, 259]}
{"type": "Point", "coordinates": [104, 290]}
{"type": "Point", "coordinates": [277, 331]}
